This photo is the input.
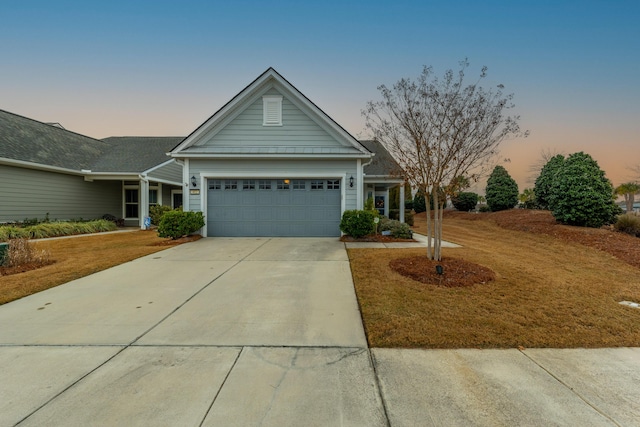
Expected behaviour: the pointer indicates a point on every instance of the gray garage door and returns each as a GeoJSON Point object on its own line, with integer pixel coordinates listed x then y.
{"type": "Point", "coordinates": [273, 207]}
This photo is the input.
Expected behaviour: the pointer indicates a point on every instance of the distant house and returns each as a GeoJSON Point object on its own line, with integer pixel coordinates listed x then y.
{"type": "Point", "coordinates": [268, 163]}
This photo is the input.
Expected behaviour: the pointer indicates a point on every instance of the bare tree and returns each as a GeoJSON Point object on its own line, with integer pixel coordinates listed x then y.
{"type": "Point", "coordinates": [635, 170]}
{"type": "Point", "coordinates": [439, 130]}
{"type": "Point", "coordinates": [546, 154]}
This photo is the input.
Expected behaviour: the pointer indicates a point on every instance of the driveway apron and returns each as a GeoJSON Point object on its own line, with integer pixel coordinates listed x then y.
{"type": "Point", "coordinates": [243, 331]}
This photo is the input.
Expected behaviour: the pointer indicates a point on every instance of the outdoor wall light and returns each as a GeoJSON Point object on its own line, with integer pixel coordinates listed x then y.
{"type": "Point", "coordinates": [439, 270]}
{"type": "Point", "coordinates": [351, 181]}
{"type": "Point", "coordinates": [193, 181]}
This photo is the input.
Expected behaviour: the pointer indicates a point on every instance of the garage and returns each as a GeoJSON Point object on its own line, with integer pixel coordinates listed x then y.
{"type": "Point", "coordinates": [273, 207]}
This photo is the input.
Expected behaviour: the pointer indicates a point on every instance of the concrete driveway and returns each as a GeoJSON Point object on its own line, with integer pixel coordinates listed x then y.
{"type": "Point", "coordinates": [267, 332]}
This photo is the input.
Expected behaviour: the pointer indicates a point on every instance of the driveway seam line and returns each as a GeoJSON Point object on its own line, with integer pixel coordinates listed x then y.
{"type": "Point", "coordinates": [571, 389]}
{"type": "Point", "coordinates": [73, 384]}
{"type": "Point", "coordinates": [206, 414]}
{"type": "Point", "coordinates": [195, 294]}
{"type": "Point", "coordinates": [377, 378]}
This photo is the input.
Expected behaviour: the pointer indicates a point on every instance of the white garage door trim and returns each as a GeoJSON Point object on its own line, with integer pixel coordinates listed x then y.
{"type": "Point", "coordinates": [205, 176]}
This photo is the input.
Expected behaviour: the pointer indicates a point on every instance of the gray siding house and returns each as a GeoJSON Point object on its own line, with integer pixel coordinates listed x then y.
{"type": "Point", "coordinates": [268, 163]}
{"type": "Point", "coordinates": [45, 169]}
{"type": "Point", "coordinates": [271, 163]}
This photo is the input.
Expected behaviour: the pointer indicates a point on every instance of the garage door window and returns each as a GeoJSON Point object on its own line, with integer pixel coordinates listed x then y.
{"type": "Point", "coordinates": [230, 184]}
{"type": "Point", "coordinates": [317, 185]}
{"type": "Point", "coordinates": [249, 184]}
{"type": "Point", "coordinates": [216, 184]}
{"type": "Point", "coordinates": [264, 185]}
{"type": "Point", "coordinates": [299, 184]}
{"type": "Point", "coordinates": [333, 185]}
{"type": "Point", "coordinates": [283, 184]}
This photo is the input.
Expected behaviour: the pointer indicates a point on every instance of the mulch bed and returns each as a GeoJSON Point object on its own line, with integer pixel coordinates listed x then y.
{"type": "Point", "coordinates": [375, 238]}
{"type": "Point", "coordinates": [7, 271]}
{"type": "Point", "coordinates": [181, 240]}
{"type": "Point", "coordinates": [622, 246]}
{"type": "Point", "coordinates": [456, 272]}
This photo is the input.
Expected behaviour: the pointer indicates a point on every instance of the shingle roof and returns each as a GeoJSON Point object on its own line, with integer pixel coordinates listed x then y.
{"type": "Point", "coordinates": [36, 142]}
{"type": "Point", "coordinates": [383, 163]}
{"type": "Point", "coordinates": [135, 153]}
{"type": "Point", "coordinates": [45, 144]}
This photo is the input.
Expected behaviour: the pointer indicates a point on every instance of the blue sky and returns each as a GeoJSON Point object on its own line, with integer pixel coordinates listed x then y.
{"type": "Point", "coordinates": [161, 68]}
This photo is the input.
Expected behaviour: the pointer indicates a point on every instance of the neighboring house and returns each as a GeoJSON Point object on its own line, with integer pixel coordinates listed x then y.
{"type": "Point", "coordinates": [268, 163]}
{"type": "Point", "coordinates": [45, 169]}
{"type": "Point", "coordinates": [271, 163]}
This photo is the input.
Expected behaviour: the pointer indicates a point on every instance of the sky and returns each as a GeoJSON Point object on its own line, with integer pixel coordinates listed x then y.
{"type": "Point", "coordinates": [154, 68]}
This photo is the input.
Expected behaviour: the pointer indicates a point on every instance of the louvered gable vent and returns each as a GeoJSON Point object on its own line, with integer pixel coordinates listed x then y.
{"type": "Point", "coordinates": [272, 110]}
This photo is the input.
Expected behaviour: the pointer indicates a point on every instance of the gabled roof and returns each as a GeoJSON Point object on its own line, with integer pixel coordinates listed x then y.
{"type": "Point", "coordinates": [383, 164]}
{"type": "Point", "coordinates": [30, 141]}
{"type": "Point", "coordinates": [135, 153]}
{"type": "Point", "coordinates": [350, 147]}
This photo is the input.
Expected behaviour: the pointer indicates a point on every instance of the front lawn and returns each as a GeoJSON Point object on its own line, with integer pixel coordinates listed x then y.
{"type": "Point", "coordinates": [548, 292]}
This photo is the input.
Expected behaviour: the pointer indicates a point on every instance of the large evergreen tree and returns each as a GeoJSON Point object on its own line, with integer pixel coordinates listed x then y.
{"type": "Point", "coordinates": [502, 190]}
{"type": "Point", "coordinates": [581, 194]}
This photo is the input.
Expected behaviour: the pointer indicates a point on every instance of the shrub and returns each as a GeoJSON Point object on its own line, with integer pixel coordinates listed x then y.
{"type": "Point", "coordinates": [484, 208]}
{"type": "Point", "coordinates": [357, 223]}
{"type": "Point", "coordinates": [581, 195]}
{"type": "Point", "coordinates": [156, 212]}
{"type": "Point", "coordinates": [395, 214]}
{"type": "Point", "coordinates": [176, 224]}
{"type": "Point", "coordinates": [542, 188]}
{"type": "Point", "coordinates": [628, 223]}
{"type": "Point", "coordinates": [465, 201]}
{"type": "Point", "coordinates": [21, 252]}
{"type": "Point", "coordinates": [398, 229]}
{"type": "Point", "coordinates": [502, 190]}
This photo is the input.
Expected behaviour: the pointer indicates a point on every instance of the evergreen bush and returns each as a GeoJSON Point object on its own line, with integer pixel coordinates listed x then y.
{"type": "Point", "coordinates": [175, 224]}
{"type": "Point", "coordinates": [502, 190]}
{"type": "Point", "coordinates": [356, 223]}
{"type": "Point", "coordinates": [465, 201]}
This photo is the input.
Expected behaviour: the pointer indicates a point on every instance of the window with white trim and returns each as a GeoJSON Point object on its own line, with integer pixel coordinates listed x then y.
{"type": "Point", "coordinates": [299, 184]}
{"type": "Point", "coordinates": [153, 196]}
{"type": "Point", "coordinates": [272, 110]}
{"type": "Point", "coordinates": [249, 184]}
{"type": "Point", "coordinates": [283, 184]}
{"type": "Point", "coordinates": [264, 184]}
{"type": "Point", "coordinates": [230, 184]}
{"type": "Point", "coordinates": [215, 184]}
{"type": "Point", "coordinates": [317, 185]}
{"type": "Point", "coordinates": [131, 202]}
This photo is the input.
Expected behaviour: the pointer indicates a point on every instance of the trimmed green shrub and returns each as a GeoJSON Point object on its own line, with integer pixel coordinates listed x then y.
{"type": "Point", "coordinates": [398, 229]}
{"type": "Point", "coordinates": [175, 224]}
{"type": "Point", "coordinates": [55, 229]}
{"type": "Point", "coordinates": [357, 223]}
{"type": "Point", "coordinates": [484, 208]}
{"type": "Point", "coordinates": [542, 188]}
{"type": "Point", "coordinates": [395, 214]}
{"type": "Point", "coordinates": [502, 190]}
{"type": "Point", "coordinates": [581, 195]}
{"type": "Point", "coordinates": [465, 201]}
{"type": "Point", "coordinates": [628, 223]}
{"type": "Point", "coordinates": [156, 212]}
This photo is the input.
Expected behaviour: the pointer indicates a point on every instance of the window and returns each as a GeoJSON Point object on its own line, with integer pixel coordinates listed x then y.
{"type": "Point", "coordinates": [264, 184]}
{"type": "Point", "coordinates": [283, 184]}
{"type": "Point", "coordinates": [131, 203]}
{"type": "Point", "coordinates": [249, 184]}
{"type": "Point", "coordinates": [333, 185]}
{"type": "Point", "coordinates": [215, 184]}
{"type": "Point", "coordinates": [153, 196]}
{"type": "Point", "coordinates": [272, 110]}
{"type": "Point", "coordinates": [299, 184]}
{"type": "Point", "coordinates": [231, 184]}
{"type": "Point", "coordinates": [317, 185]}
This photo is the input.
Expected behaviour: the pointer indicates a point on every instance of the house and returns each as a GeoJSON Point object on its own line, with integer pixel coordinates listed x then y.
{"type": "Point", "coordinates": [46, 170]}
{"type": "Point", "coordinates": [268, 163]}
{"type": "Point", "coordinates": [271, 163]}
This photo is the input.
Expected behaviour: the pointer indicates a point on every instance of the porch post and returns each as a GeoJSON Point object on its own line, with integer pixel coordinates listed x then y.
{"type": "Point", "coordinates": [402, 202]}
{"type": "Point", "coordinates": [144, 200]}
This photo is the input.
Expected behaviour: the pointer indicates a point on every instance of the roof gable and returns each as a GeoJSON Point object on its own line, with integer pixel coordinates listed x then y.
{"type": "Point", "coordinates": [237, 128]}
{"type": "Point", "coordinates": [383, 164]}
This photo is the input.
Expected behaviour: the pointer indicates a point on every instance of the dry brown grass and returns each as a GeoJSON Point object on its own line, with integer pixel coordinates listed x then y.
{"type": "Point", "coordinates": [78, 257]}
{"type": "Point", "coordinates": [548, 293]}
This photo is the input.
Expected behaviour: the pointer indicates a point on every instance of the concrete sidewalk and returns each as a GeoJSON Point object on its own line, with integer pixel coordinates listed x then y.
{"type": "Point", "coordinates": [246, 332]}
{"type": "Point", "coordinates": [420, 241]}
